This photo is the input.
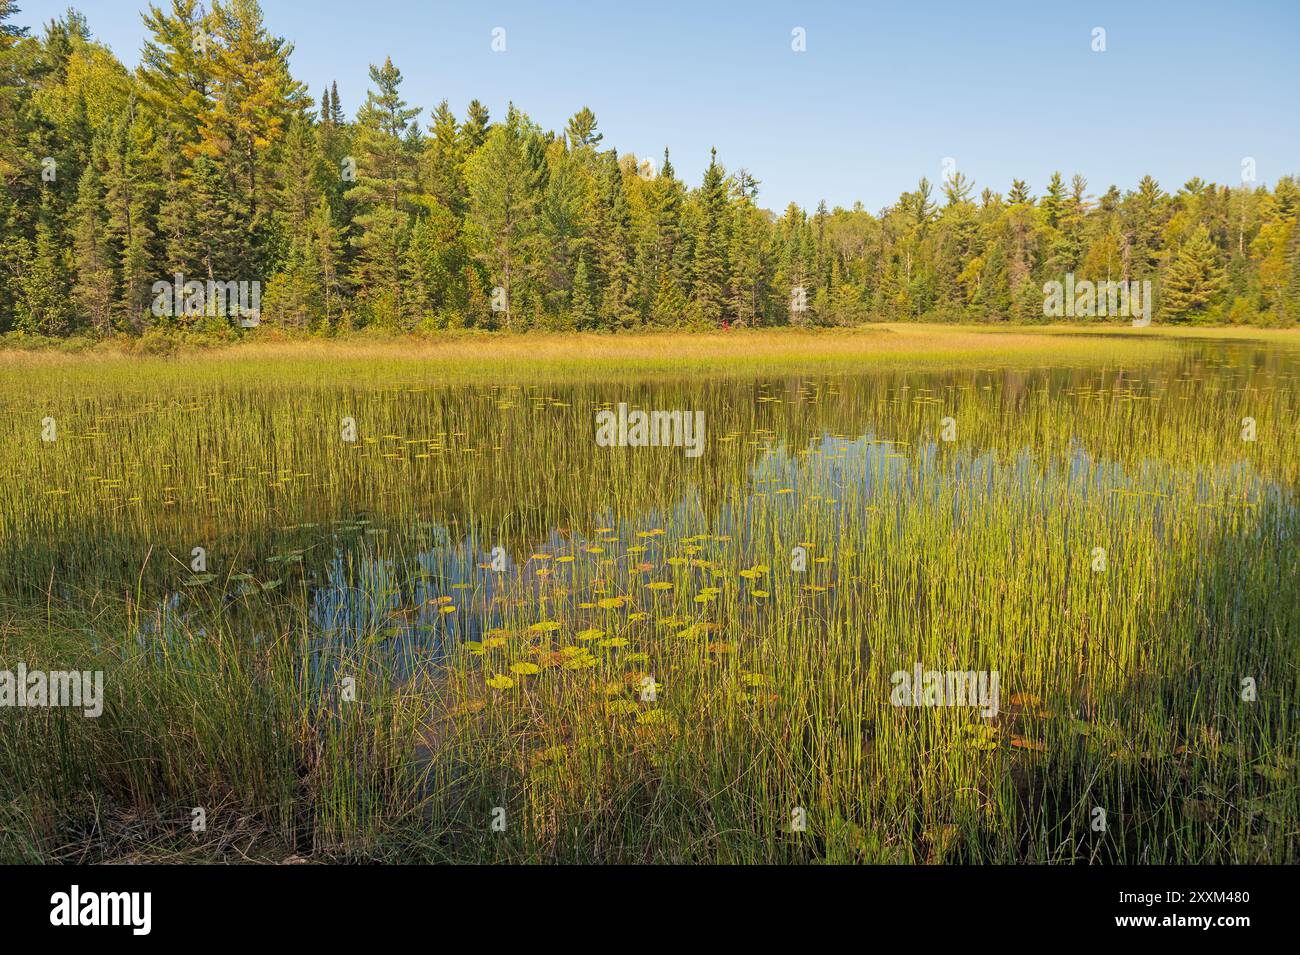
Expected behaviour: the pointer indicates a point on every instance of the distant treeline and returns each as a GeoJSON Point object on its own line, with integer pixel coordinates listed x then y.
{"type": "Point", "coordinates": [211, 164]}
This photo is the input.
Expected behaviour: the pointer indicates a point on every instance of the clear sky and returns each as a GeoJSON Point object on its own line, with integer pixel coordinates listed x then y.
{"type": "Point", "coordinates": [883, 94]}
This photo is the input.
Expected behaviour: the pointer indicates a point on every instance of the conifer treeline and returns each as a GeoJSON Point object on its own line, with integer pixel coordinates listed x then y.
{"type": "Point", "coordinates": [211, 161]}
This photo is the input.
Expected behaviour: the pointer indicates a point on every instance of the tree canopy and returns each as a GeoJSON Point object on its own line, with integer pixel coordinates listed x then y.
{"type": "Point", "coordinates": [212, 162]}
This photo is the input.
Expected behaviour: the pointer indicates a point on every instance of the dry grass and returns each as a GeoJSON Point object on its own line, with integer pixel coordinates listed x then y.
{"type": "Point", "coordinates": [558, 356]}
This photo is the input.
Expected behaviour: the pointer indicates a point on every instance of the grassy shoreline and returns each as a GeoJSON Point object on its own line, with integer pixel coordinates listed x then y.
{"type": "Point", "coordinates": [552, 357]}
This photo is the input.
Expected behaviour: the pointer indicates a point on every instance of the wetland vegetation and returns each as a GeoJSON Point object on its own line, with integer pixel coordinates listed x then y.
{"type": "Point", "coordinates": [472, 633]}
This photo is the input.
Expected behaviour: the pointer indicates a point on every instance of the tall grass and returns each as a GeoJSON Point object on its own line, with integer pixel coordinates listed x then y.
{"type": "Point", "coordinates": [351, 678]}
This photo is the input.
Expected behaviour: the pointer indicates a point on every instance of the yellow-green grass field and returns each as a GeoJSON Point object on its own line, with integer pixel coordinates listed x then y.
{"type": "Point", "coordinates": [390, 599]}
{"type": "Point", "coordinates": [541, 356]}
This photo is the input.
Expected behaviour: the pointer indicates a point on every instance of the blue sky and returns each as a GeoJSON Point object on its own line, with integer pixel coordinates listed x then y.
{"type": "Point", "coordinates": [884, 93]}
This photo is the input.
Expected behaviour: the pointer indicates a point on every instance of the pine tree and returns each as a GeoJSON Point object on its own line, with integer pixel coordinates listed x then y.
{"type": "Point", "coordinates": [748, 267]}
{"type": "Point", "coordinates": [175, 74]}
{"type": "Point", "coordinates": [561, 212]}
{"type": "Point", "coordinates": [94, 288]}
{"type": "Point", "coordinates": [844, 301]}
{"type": "Point", "coordinates": [213, 240]}
{"type": "Point", "coordinates": [296, 293]}
{"type": "Point", "coordinates": [581, 130]}
{"type": "Point", "coordinates": [443, 161]}
{"type": "Point", "coordinates": [384, 165]}
{"type": "Point", "coordinates": [384, 187]}
{"type": "Point", "coordinates": [710, 266]}
{"type": "Point", "coordinates": [1065, 243]}
{"type": "Point", "coordinates": [303, 175]}
{"type": "Point", "coordinates": [435, 264]}
{"type": "Point", "coordinates": [669, 306]}
{"type": "Point", "coordinates": [176, 92]}
{"type": "Point", "coordinates": [253, 97]}
{"type": "Point", "coordinates": [327, 242]}
{"type": "Point", "coordinates": [821, 261]}
{"type": "Point", "coordinates": [1291, 296]}
{"type": "Point", "coordinates": [1146, 214]}
{"type": "Point", "coordinates": [336, 108]}
{"type": "Point", "coordinates": [503, 198]}
{"type": "Point", "coordinates": [612, 236]}
{"type": "Point", "coordinates": [582, 306]}
{"type": "Point", "coordinates": [790, 281]}
{"type": "Point", "coordinates": [1053, 203]}
{"type": "Point", "coordinates": [290, 299]}
{"type": "Point", "coordinates": [478, 308]}
{"type": "Point", "coordinates": [130, 197]}
{"type": "Point", "coordinates": [664, 211]}
{"type": "Point", "coordinates": [43, 304]}
{"type": "Point", "coordinates": [1194, 280]}
{"type": "Point", "coordinates": [20, 196]}
{"type": "Point", "coordinates": [474, 130]}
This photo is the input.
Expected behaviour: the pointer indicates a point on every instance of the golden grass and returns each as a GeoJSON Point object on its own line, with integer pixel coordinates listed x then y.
{"type": "Point", "coordinates": [542, 356]}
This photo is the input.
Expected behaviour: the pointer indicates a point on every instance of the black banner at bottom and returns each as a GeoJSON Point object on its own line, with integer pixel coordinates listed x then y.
{"type": "Point", "coordinates": [334, 904]}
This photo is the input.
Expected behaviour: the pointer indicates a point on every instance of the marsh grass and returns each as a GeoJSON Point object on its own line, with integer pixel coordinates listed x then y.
{"type": "Point", "coordinates": [557, 357]}
{"type": "Point", "coordinates": [526, 691]}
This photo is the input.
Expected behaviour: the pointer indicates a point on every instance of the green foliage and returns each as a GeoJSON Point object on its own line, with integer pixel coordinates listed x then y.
{"type": "Point", "coordinates": [710, 265]}
{"type": "Point", "coordinates": [1194, 280]}
{"type": "Point", "coordinates": [211, 161]}
{"type": "Point", "coordinates": [503, 193]}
